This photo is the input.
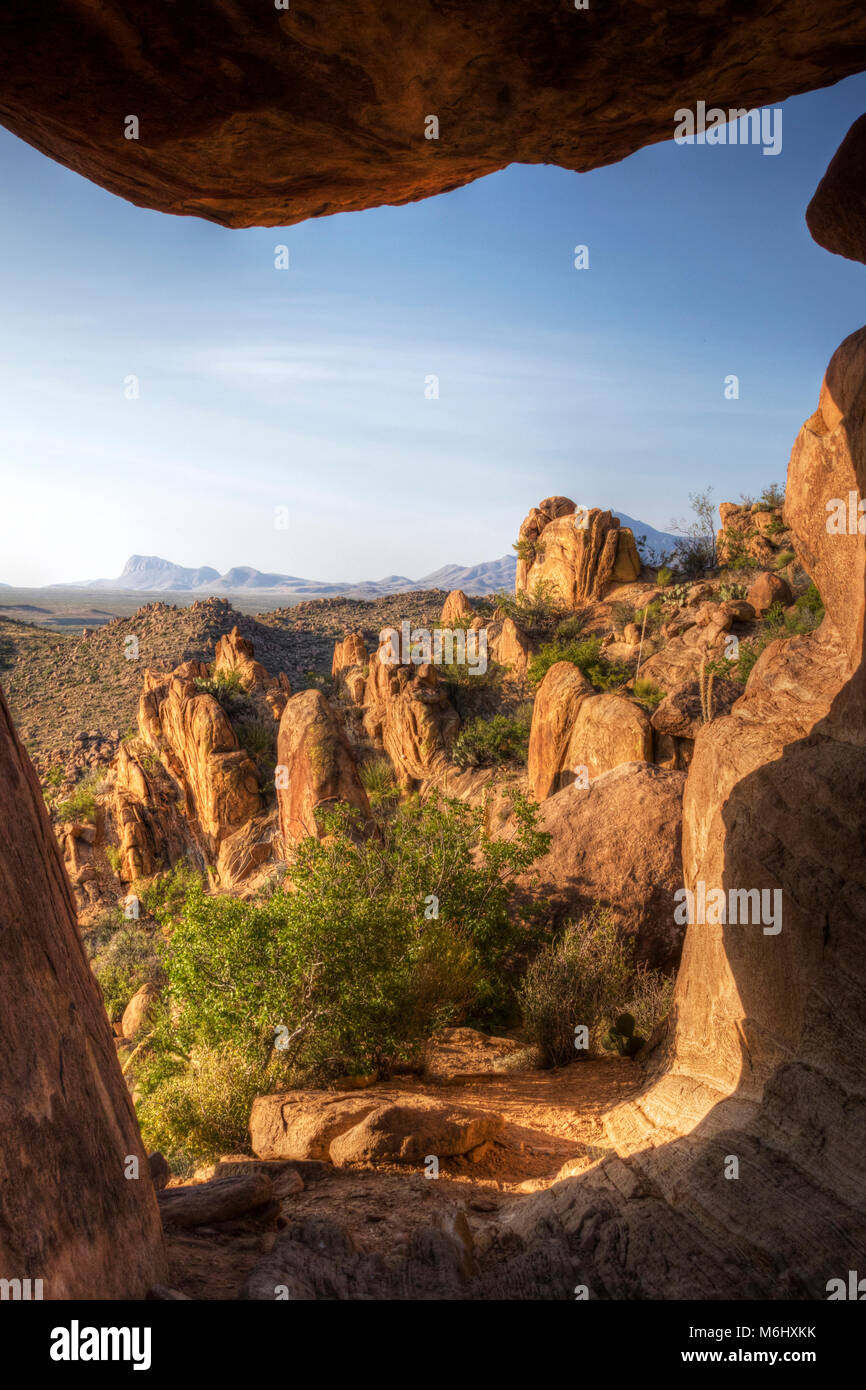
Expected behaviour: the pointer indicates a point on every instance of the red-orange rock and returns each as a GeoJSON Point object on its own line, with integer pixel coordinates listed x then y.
{"type": "Point", "coordinates": [69, 1216]}
{"type": "Point", "coordinates": [317, 766]}
{"type": "Point", "coordinates": [253, 115]}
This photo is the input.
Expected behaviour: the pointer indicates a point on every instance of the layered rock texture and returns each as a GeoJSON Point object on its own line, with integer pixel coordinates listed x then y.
{"type": "Point", "coordinates": [265, 116]}
{"type": "Point", "coordinates": [69, 1215]}
{"type": "Point", "coordinates": [578, 552]}
{"type": "Point", "coordinates": [317, 766]}
{"type": "Point", "coordinates": [408, 712]}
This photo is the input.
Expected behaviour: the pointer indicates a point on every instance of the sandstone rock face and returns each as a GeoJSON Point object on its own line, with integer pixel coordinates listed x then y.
{"type": "Point", "coordinates": [756, 1062]}
{"type": "Point", "coordinates": [69, 1216]}
{"type": "Point", "coordinates": [408, 712]}
{"type": "Point", "coordinates": [579, 552]}
{"type": "Point", "coordinates": [285, 115]}
{"type": "Point", "coordinates": [618, 843]}
{"type": "Point", "coordinates": [455, 606]}
{"type": "Point", "coordinates": [573, 728]}
{"type": "Point", "coordinates": [376, 1126]}
{"type": "Point", "coordinates": [138, 1010]}
{"type": "Point", "coordinates": [320, 770]}
{"type": "Point", "coordinates": [194, 739]}
{"type": "Point", "coordinates": [837, 213]}
{"type": "Point", "coordinates": [680, 714]}
{"type": "Point", "coordinates": [750, 534]}
{"type": "Point", "coordinates": [610, 730]}
{"type": "Point", "coordinates": [508, 645]}
{"type": "Point", "coordinates": [349, 665]}
{"type": "Point", "coordinates": [554, 715]}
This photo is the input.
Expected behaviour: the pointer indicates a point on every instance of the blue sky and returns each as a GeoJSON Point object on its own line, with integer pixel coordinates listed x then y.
{"type": "Point", "coordinates": [305, 388]}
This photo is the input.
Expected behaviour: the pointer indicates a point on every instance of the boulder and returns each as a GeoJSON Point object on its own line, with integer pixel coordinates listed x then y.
{"type": "Point", "coordinates": [572, 728]}
{"type": "Point", "coordinates": [456, 606]}
{"type": "Point", "coordinates": [408, 1131]}
{"type": "Point", "coordinates": [138, 1010]}
{"type": "Point", "coordinates": [680, 714]}
{"type": "Point", "coordinates": [836, 216]}
{"type": "Point", "coordinates": [408, 713]}
{"type": "Point", "coordinates": [315, 767]}
{"type": "Point", "coordinates": [508, 645]}
{"type": "Point", "coordinates": [352, 651]}
{"type": "Point", "coordinates": [617, 843]}
{"type": "Point", "coordinates": [375, 1126]}
{"type": "Point", "coordinates": [577, 552]}
{"type": "Point", "coordinates": [767, 590]}
{"type": "Point", "coordinates": [222, 1199]}
{"type": "Point", "coordinates": [560, 695]}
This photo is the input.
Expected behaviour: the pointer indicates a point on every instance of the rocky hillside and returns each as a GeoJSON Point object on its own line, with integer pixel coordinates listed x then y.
{"type": "Point", "coordinates": [69, 690]}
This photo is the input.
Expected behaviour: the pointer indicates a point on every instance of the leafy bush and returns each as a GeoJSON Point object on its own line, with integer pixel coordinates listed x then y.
{"type": "Point", "coordinates": [81, 805]}
{"type": "Point", "coordinates": [227, 689]}
{"type": "Point", "coordinates": [541, 607]}
{"type": "Point", "coordinates": [692, 555]}
{"type": "Point", "coordinates": [491, 742]}
{"type": "Point", "coordinates": [585, 977]}
{"type": "Point", "coordinates": [573, 625]}
{"type": "Point", "coordinates": [128, 961]}
{"type": "Point", "coordinates": [811, 603]}
{"type": "Point", "coordinates": [586, 655]}
{"type": "Point", "coordinates": [664, 575]}
{"type": "Point", "coordinates": [653, 612]}
{"type": "Point", "coordinates": [255, 736]}
{"type": "Point", "coordinates": [581, 978]}
{"type": "Point", "coordinates": [196, 1109]}
{"type": "Point", "coordinates": [784, 558]}
{"type": "Point", "coordinates": [772, 497]}
{"type": "Point", "coordinates": [378, 780]}
{"type": "Point", "coordinates": [380, 941]}
{"type": "Point", "coordinates": [648, 693]}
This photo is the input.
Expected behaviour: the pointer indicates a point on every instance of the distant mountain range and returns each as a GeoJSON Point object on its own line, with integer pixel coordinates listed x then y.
{"type": "Point", "coordinates": [151, 574]}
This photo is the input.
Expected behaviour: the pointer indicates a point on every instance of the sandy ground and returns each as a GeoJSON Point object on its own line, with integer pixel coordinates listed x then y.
{"type": "Point", "coordinates": [552, 1122]}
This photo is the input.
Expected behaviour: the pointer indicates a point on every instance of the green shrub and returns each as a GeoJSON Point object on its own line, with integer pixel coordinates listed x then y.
{"type": "Point", "coordinates": [227, 689]}
{"type": "Point", "coordinates": [811, 603]}
{"type": "Point", "coordinates": [81, 805]}
{"type": "Point", "coordinates": [492, 742]}
{"type": "Point", "coordinates": [585, 977]}
{"type": "Point", "coordinates": [256, 737]}
{"type": "Point", "coordinates": [198, 1109]}
{"type": "Point", "coordinates": [114, 857]}
{"type": "Point", "coordinates": [648, 693]}
{"type": "Point", "coordinates": [784, 558]}
{"type": "Point", "coordinates": [129, 960]}
{"type": "Point", "coordinates": [380, 941]}
{"type": "Point", "coordinates": [541, 607]}
{"type": "Point", "coordinates": [664, 575]}
{"type": "Point", "coordinates": [573, 625]}
{"type": "Point", "coordinates": [379, 782]}
{"type": "Point", "coordinates": [578, 979]}
{"type": "Point", "coordinates": [622, 1038]}
{"type": "Point", "coordinates": [772, 497]}
{"type": "Point", "coordinates": [586, 655]}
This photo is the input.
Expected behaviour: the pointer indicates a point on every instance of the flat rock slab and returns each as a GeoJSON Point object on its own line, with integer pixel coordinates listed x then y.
{"type": "Point", "coordinates": [224, 1199]}
{"type": "Point", "coordinates": [396, 1126]}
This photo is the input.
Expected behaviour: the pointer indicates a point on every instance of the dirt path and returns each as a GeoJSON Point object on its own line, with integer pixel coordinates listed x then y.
{"type": "Point", "coordinates": [552, 1123]}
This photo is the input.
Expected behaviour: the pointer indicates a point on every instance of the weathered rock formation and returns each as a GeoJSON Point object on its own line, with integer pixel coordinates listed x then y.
{"type": "Point", "coordinates": [456, 606]}
{"type": "Point", "coordinates": [376, 1126]}
{"type": "Point", "coordinates": [763, 1058]}
{"type": "Point", "coordinates": [617, 843]}
{"type": "Point", "coordinates": [69, 1216]}
{"type": "Point", "coordinates": [317, 766]}
{"type": "Point", "coordinates": [574, 728]}
{"type": "Point", "coordinates": [265, 116]}
{"type": "Point", "coordinates": [753, 534]}
{"type": "Point", "coordinates": [349, 666]}
{"type": "Point", "coordinates": [508, 645]}
{"type": "Point", "coordinates": [837, 212]}
{"type": "Point", "coordinates": [579, 552]}
{"type": "Point", "coordinates": [234, 653]}
{"type": "Point", "coordinates": [408, 712]}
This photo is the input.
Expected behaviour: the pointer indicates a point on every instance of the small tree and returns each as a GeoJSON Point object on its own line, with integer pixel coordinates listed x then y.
{"type": "Point", "coordinates": [696, 550]}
